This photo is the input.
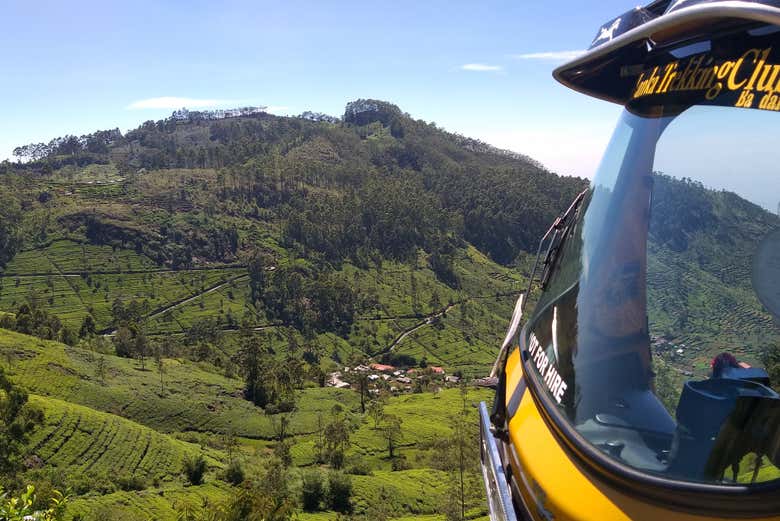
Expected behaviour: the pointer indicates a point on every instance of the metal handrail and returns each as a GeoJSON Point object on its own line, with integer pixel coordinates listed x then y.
{"type": "Point", "coordinates": [498, 494]}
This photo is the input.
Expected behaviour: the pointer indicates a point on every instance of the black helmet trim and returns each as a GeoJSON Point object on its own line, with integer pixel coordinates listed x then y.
{"type": "Point", "coordinates": [593, 72]}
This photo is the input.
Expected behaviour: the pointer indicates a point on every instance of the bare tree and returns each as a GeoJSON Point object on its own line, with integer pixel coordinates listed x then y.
{"type": "Point", "coordinates": [160, 363]}
{"type": "Point", "coordinates": [376, 410]}
{"type": "Point", "coordinates": [391, 432]}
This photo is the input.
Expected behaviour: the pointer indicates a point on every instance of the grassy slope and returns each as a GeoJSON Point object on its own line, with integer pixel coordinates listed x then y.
{"type": "Point", "coordinates": [160, 504]}
{"type": "Point", "coordinates": [79, 440]}
{"type": "Point", "coordinates": [127, 425]}
{"type": "Point", "coordinates": [194, 399]}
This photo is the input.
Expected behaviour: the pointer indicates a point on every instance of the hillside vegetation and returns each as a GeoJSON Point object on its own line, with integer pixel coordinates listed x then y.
{"type": "Point", "coordinates": [262, 220]}
{"type": "Point", "coordinates": [119, 443]}
{"type": "Point", "coordinates": [235, 263]}
{"type": "Point", "coordinates": [177, 300]}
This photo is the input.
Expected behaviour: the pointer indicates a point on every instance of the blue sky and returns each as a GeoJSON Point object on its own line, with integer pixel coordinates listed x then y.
{"type": "Point", "coordinates": [463, 64]}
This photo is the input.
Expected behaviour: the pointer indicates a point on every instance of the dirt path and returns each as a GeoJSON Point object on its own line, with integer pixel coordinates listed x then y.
{"type": "Point", "coordinates": [68, 282]}
{"type": "Point", "coordinates": [427, 321]}
{"type": "Point", "coordinates": [187, 300]}
{"type": "Point", "coordinates": [173, 305]}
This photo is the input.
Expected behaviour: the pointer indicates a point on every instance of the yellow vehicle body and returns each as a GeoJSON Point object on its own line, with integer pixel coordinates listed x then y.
{"type": "Point", "coordinates": [553, 485]}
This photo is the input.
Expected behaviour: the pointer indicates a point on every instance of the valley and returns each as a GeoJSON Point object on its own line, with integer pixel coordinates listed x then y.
{"type": "Point", "coordinates": [181, 301]}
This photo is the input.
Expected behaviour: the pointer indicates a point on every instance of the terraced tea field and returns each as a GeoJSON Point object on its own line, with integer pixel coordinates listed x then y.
{"type": "Point", "coordinates": [80, 440]}
{"type": "Point", "coordinates": [193, 400]}
{"type": "Point", "coordinates": [70, 257]}
{"type": "Point", "coordinates": [163, 504]}
{"type": "Point", "coordinates": [706, 311]}
{"type": "Point", "coordinates": [76, 279]}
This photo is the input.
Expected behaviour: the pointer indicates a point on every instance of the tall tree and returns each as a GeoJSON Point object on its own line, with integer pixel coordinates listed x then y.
{"type": "Point", "coordinates": [337, 437]}
{"type": "Point", "coordinates": [160, 363]}
{"type": "Point", "coordinates": [10, 218]}
{"type": "Point", "coordinates": [123, 341]}
{"type": "Point", "coordinates": [252, 361]}
{"type": "Point", "coordinates": [87, 329]}
{"type": "Point", "coordinates": [257, 267]}
{"type": "Point", "coordinates": [376, 410]}
{"type": "Point", "coordinates": [141, 348]}
{"type": "Point", "coordinates": [100, 369]}
{"type": "Point", "coordinates": [459, 454]}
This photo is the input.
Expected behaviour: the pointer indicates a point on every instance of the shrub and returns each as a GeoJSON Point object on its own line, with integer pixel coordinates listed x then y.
{"type": "Point", "coordinates": [194, 469]}
{"type": "Point", "coordinates": [400, 463]}
{"type": "Point", "coordinates": [68, 336]}
{"type": "Point", "coordinates": [282, 451]}
{"type": "Point", "coordinates": [339, 492]}
{"type": "Point", "coordinates": [129, 482]}
{"type": "Point", "coordinates": [234, 473]}
{"type": "Point", "coordinates": [313, 490]}
{"type": "Point", "coordinates": [100, 483]}
{"type": "Point", "coordinates": [359, 467]}
{"type": "Point", "coordinates": [280, 407]}
{"type": "Point", "coordinates": [336, 459]}
{"type": "Point", "coordinates": [80, 484]}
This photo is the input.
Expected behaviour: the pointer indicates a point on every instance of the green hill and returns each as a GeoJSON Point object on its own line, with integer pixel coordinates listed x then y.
{"type": "Point", "coordinates": [120, 450]}
{"type": "Point", "coordinates": [170, 215]}
{"type": "Point", "coordinates": [214, 252]}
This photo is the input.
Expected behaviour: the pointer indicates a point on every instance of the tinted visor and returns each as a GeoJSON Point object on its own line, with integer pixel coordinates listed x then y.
{"type": "Point", "coordinates": [652, 332]}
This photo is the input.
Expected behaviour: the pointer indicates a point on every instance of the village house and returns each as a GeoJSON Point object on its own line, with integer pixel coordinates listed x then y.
{"type": "Point", "coordinates": [382, 368]}
{"type": "Point", "coordinates": [334, 380]}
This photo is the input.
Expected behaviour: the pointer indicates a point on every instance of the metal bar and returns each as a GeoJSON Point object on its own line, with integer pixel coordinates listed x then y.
{"type": "Point", "coordinates": [498, 496]}
{"type": "Point", "coordinates": [517, 315]}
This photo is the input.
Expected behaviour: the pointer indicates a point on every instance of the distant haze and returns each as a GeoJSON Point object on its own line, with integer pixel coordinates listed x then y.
{"type": "Point", "coordinates": [565, 151]}
{"type": "Point", "coordinates": [725, 149]}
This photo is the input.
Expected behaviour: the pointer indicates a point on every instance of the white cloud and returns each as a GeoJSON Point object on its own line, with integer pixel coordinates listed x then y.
{"type": "Point", "coordinates": [557, 56]}
{"type": "Point", "coordinates": [174, 102]}
{"type": "Point", "coordinates": [481, 67]}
